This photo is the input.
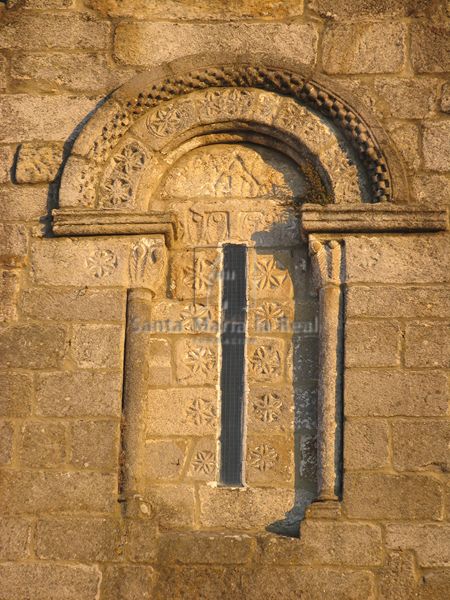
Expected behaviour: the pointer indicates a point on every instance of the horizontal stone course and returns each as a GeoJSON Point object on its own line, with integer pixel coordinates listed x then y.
{"type": "Point", "coordinates": [436, 145]}
{"type": "Point", "coordinates": [354, 48]}
{"type": "Point", "coordinates": [95, 444]}
{"type": "Point", "coordinates": [210, 10]}
{"type": "Point", "coordinates": [87, 72]}
{"type": "Point", "coordinates": [73, 304]}
{"type": "Point", "coordinates": [49, 581]}
{"type": "Point", "coordinates": [372, 343]}
{"type": "Point", "coordinates": [34, 492]}
{"type": "Point", "coordinates": [149, 44]}
{"type": "Point", "coordinates": [34, 32]}
{"type": "Point", "coordinates": [80, 539]}
{"type": "Point", "coordinates": [97, 346]}
{"type": "Point", "coordinates": [405, 302]}
{"type": "Point", "coordinates": [431, 542]}
{"type": "Point", "coordinates": [368, 9]}
{"type": "Point", "coordinates": [395, 393]}
{"type": "Point", "coordinates": [386, 496]}
{"type": "Point", "coordinates": [421, 445]}
{"type": "Point", "coordinates": [398, 259]}
{"type": "Point", "coordinates": [24, 203]}
{"type": "Point", "coordinates": [78, 394]}
{"type": "Point", "coordinates": [47, 118]}
{"type": "Point", "coordinates": [205, 548]}
{"type": "Point", "coordinates": [341, 543]}
{"type": "Point", "coordinates": [32, 346]}
{"type": "Point", "coordinates": [127, 582]}
{"type": "Point", "coordinates": [427, 344]}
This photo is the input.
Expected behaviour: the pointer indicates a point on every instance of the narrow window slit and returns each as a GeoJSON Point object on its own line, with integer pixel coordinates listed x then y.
{"type": "Point", "coordinates": [232, 376]}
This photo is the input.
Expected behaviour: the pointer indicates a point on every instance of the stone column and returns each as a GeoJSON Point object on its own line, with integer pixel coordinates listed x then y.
{"type": "Point", "coordinates": [326, 262]}
{"type": "Point", "coordinates": [148, 268]}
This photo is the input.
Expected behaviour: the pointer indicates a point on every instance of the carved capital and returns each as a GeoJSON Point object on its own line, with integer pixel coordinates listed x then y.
{"type": "Point", "coordinates": [326, 259]}
{"type": "Point", "coordinates": [148, 263]}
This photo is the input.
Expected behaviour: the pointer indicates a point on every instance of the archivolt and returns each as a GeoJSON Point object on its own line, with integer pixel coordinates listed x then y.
{"type": "Point", "coordinates": [156, 111]}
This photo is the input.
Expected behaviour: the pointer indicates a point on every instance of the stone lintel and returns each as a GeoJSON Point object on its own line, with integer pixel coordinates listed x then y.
{"type": "Point", "coordinates": [367, 218]}
{"type": "Point", "coordinates": [85, 222]}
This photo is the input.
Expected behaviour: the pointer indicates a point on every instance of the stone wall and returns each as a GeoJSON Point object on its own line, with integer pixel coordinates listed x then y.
{"type": "Point", "coordinates": [63, 535]}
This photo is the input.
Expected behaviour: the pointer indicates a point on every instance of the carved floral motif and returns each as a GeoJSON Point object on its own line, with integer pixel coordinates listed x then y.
{"type": "Point", "coordinates": [267, 408]}
{"type": "Point", "coordinates": [195, 317]}
{"type": "Point", "coordinates": [268, 316]}
{"type": "Point", "coordinates": [200, 360]}
{"type": "Point", "coordinates": [204, 462]}
{"type": "Point", "coordinates": [101, 263]}
{"type": "Point", "coordinates": [118, 186]}
{"type": "Point", "coordinates": [265, 362]}
{"type": "Point", "coordinates": [201, 412]}
{"type": "Point", "coordinates": [263, 457]}
{"type": "Point", "coordinates": [168, 119]}
{"type": "Point", "coordinates": [225, 103]}
{"type": "Point", "coordinates": [268, 275]}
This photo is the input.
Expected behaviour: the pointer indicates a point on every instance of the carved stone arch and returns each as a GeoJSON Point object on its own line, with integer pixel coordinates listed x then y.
{"type": "Point", "coordinates": [131, 137]}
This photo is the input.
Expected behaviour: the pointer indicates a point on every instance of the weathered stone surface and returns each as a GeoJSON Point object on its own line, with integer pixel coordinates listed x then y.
{"type": "Point", "coordinates": [164, 459]}
{"type": "Point", "coordinates": [38, 492]}
{"type": "Point", "coordinates": [436, 145]}
{"type": "Point", "coordinates": [6, 442]}
{"type": "Point", "coordinates": [421, 445]}
{"type": "Point", "coordinates": [358, 9]}
{"type": "Point", "coordinates": [205, 548]}
{"type": "Point", "coordinates": [3, 72]}
{"type": "Point", "coordinates": [9, 291]}
{"type": "Point", "coordinates": [411, 259]}
{"type": "Point", "coordinates": [196, 361]}
{"type": "Point", "coordinates": [405, 302]}
{"type": "Point", "coordinates": [37, 163]}
{"type": "Point", "coordinates": [34, 32]}
{"type": "Point", "coordinates": [407, 98]}
{"type": "Point", "coordinates": [431, 543]}
{"type": "Point", "coordinates": [434, 585]}
{"type": "Point", "coordinates": [241, 508]}
{"type": "Point", "coordinates": [427, 344]}
{"type": "Point", "coordinates": [16, 392]}
{"type": "Point", "coordinates": [395, 393]}
{"type": "Point", "coordinates": [341, 543]}
{"type": "Point", "coordinates": [6, 163]}
{"type": "Point", "coordinates": [314, 584]}
{"type": "Point", "coordinates": [398, 577]}
{"type": "Point", "coordinates": [127, 582]}
{"type": "Point", "coordinates": [73, 304]}
{"type": "Point", "coordinates": [75, 394]}
{"type": "Point", "coordinates": [149, 44]}
{"type": "Point", "coordinates": [49, 582]}
{"type": "Point", "coordinates": [95, 444]}
{"type": "Point", "coordinates": [431, 189]}
{"type": "Point", "coordinates": [372, 344]}
{"type": "Point", "coordinates": [198, 9]}
{"type": "Point", "coordinates": [445, 98]}
{"type": "Point", "coordinates": [80, 539]}
{"type": "Point", "coordinates": [97, 346]}
{"type": "Point", "coordinates": [32, 346]}
{"type": "Point", "coordinates": [430, 48]}
{"type": "Point", "coordinates": [171, 505]}
{"type": "Point", "coordinates": [42, 4]}
{"type": "Point", "coordinates": [14, 538]}
{"type": "Point", "coordinates": [81, 262]}
{"type": "Point", "coordinates": [24, 203]}
{"type": "Point", "coordinates": [385, 496]}
{"type": "Point", "coordinates": [353, 48]}
{"type": "Point", "coordinates": [406, 136]}
{"type": "Point", "coordinates": [366, 444]}
{"type": "Point", "coordinates": [141, 541]}
{"type": "Point", "coordinates": [13, 243]}
{"type": "Point", "coordinates": [45, 118]}
{"type": "Point", "coordinates": [89, 73]}
{"type": "Point", "coordinates": [42, 444]}
{"type": "Point", "coordinates": [189, 411]}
